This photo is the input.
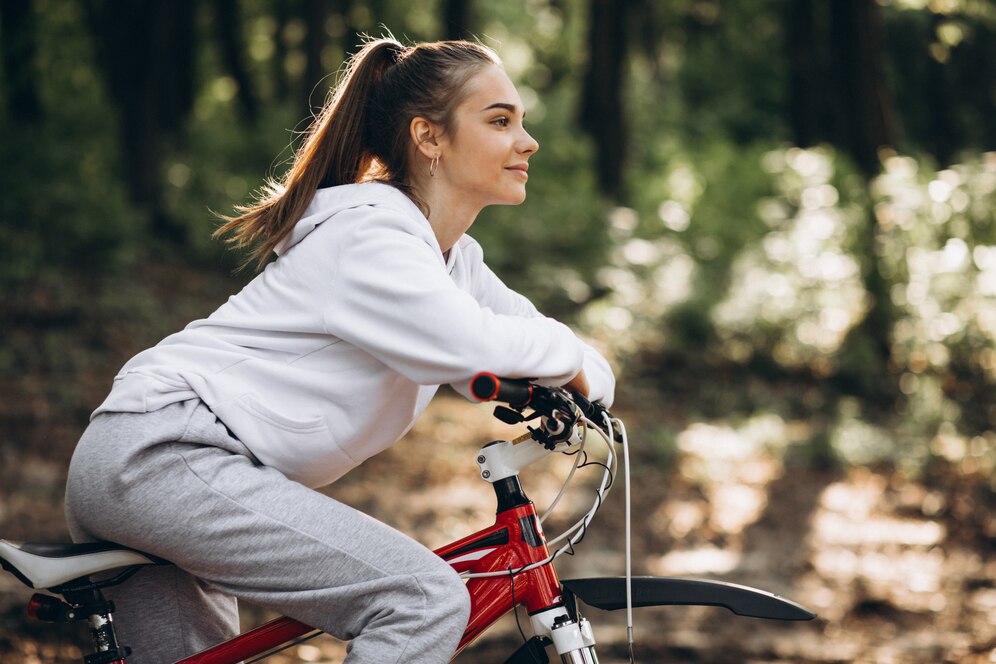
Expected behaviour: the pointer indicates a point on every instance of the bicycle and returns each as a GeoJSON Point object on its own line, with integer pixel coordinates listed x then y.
{"type": "Point", "coordinates": [506, 565]}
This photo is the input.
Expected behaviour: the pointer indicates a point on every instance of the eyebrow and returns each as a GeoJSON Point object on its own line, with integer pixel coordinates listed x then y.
{"type": "Point", "coordinates": [511, 108]}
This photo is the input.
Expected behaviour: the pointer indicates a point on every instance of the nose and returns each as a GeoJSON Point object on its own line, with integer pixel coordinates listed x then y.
{"type": "Point", "coordinates": [527, 144]}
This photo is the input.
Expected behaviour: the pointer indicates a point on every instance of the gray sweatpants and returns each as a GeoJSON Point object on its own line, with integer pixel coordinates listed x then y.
{"type": "Point", "coordinates": [176, 484]}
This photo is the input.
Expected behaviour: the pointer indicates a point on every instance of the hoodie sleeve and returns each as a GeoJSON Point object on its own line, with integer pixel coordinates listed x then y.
{"type": "Point", "coordinates": [491, 292]}
{"type": "Point", "coordinates": [392, 297]}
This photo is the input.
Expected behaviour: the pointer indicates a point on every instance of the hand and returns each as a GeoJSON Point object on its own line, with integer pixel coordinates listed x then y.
{"type": "Point", "coordinates": [578, 384]}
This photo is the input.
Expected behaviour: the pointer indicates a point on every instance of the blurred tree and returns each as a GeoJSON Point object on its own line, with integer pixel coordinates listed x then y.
{"type": "Point", "coordinates": [943, 135]}
{"type": "Point", "coordinates": [957, 55]}
{"type": "Point", "coordinates": [975, 80]}
{"type": "Point", "coordinates": [17, 21]}
{"type": "Point", "coordinates": [866, 125]}
{"type": "Point", "coordinates": [145, 53]}
{"type": "Point", "coordinates": [837, 92]}
{"type": "Point", "coordinates": [865, 114]}
{"type": "Point", "coordinates": [282, 14]}
{"type": "Point", "coordinates": [457, 19]}
{"type": "Point", "coordinates": [227, 24]}
{"type": "Point", "coordinates": [805, 75]}
{"type": "Point", "coordinates": [602, 113]}
{"type": "Point", "coordinates": [940, 63]}
{"type": "Point", "coordinates": [316, 15]}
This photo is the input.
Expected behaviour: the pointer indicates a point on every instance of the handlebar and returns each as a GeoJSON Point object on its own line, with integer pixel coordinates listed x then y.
{"type": "Point", "coordinates": [520, 393]}
{"type": "Point", "coordinates": [516, 392]}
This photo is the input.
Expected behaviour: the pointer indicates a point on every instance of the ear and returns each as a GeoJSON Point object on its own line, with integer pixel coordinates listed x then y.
{"type": "Point", "coordinates": [425, 136]}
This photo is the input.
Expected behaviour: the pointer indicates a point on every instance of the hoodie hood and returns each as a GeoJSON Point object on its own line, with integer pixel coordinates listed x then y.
{"type": "Point", "coordinates": [329, 201]}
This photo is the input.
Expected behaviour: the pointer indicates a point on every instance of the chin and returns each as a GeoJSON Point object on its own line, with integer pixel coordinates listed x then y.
{"type": "Point", "coordinates": [507, 196]}
{"type": "Point", "coordinates": [516, 198]}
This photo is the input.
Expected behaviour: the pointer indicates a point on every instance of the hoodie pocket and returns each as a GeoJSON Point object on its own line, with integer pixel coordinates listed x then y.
{"type": "Point", "coordinates": [302, 448]}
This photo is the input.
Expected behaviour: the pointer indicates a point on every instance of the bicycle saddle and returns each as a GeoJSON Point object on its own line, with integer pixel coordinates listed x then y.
{"type": "Point", "coordinates": [51, 565]}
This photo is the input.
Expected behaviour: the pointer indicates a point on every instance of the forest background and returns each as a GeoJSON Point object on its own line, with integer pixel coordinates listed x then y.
{"type": "Point", "coordinates": [777, 216]}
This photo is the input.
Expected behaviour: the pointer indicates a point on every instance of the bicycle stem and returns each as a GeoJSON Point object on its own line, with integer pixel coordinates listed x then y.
{"type": "Point", "coordinates": [502, 459]}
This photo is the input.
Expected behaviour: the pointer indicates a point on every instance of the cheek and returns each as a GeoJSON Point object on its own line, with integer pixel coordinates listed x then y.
{"type": "Point", "coordinates": [481, 149]}
{"type": "Point", "coordinates": [480, 160]}
{"type": "Point", "coordinates": [479, 165]}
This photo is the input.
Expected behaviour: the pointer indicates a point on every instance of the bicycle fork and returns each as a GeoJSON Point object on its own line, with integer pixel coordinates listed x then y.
{"type": "Point", "coordinates": [572, 638]}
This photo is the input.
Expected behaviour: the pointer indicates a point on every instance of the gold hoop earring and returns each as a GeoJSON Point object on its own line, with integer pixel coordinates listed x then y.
{"type": "Point", "coordinates": [433, 166]}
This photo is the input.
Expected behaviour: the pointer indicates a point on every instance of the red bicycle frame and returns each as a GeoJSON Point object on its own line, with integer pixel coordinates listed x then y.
{"type": "Point", "coordinates": [514, 541]}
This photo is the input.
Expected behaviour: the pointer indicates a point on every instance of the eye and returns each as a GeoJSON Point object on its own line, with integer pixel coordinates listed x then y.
{"type": "Point", "coordinates": [501, 122]}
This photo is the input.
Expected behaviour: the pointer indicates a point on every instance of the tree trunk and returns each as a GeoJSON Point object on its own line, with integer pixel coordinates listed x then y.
{"type": "Point", "coordinates": [282, 14]}
{"type": "Point", "coordinates": [975, 63]}
{"type": "Point", "coordinates": [228, 28]}
{"type": "Point", "coordinates": [602, 112]}
{"type": "Point", "coordinates": [17, 20]}
{"type": "Point", "coordinates": [865, 125]}
{"type": "Point", "coordinates": [175, 64]}
{"type": "Point", "coordinates": [136, 50]}
{"type": "Point", "coordinates": [457, 19]}
{"type": "Point", "coordinates": [865, 111]}
{"type": "Point", "coordinates": [804, 73]}
{"type": "Point", "coordinates": [316, 13]}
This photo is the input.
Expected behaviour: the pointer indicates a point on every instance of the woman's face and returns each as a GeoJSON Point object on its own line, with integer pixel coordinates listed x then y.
{"type": "Point", "coordinates": [485, 153]}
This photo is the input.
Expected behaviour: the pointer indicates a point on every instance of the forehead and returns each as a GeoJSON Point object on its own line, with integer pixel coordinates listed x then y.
{"type": "Point", "coordinates": [489, 86]}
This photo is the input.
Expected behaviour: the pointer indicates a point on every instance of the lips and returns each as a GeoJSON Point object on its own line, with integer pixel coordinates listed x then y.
{"type": "Point", "coordinates": [520, 169]}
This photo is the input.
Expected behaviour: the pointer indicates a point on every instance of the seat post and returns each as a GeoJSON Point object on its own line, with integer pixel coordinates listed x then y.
{"type": "Point", "coordinates": [96, 610]}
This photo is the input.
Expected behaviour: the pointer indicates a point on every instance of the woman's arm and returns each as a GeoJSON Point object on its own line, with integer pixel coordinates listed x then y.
{"type": "Point", "coordinates": [392, 297]}
{"type": "Point", "coordinates": [596, 379]}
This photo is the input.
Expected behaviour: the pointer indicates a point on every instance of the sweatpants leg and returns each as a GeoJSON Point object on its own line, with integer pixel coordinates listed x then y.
{"type": "Point", "coordinates": [174, 483]}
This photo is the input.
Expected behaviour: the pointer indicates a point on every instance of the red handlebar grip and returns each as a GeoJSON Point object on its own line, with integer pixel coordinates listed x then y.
{"type": "Point", "coordinates": [516, 392]}
{"type": "Point", "coordinates": [485, 386]}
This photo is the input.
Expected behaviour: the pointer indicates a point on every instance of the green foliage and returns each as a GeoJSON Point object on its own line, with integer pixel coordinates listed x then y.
{"type": "Point", "coordinates": [61, 207]}
{"type": "Point", "coordinates": [63, 203]}
{"type": "Point", "coordinates": [730, 249]}
{"type": "Point", "coordinates": [731, 81]}
{"type": "Point", "coordinates": [937, 242]}
{"type": "Point", "coordinates": [783, 291]}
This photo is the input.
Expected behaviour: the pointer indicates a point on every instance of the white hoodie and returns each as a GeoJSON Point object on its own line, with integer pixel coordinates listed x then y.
{"type": "Point", "coordinates": [331, 353]}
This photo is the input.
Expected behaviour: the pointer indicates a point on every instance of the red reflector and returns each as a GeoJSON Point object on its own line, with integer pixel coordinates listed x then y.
{"type": "Point", "coordinates": [47, 608]}
{"type": "Point", "coordinates": [36, 605]}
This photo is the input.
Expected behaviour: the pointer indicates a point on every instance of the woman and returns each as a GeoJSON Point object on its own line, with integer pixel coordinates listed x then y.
{"type": "Point", "coordinates": [207, 450]}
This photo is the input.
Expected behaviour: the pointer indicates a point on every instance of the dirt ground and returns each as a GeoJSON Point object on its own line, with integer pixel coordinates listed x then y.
{"type": "Point", "coordinates": [900, 569]}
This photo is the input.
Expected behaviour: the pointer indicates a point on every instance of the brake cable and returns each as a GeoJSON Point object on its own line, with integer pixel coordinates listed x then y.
{"type": "Point", "coordinates": [624, 439]}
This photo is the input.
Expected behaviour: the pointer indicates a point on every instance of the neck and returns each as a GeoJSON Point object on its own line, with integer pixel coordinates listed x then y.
{"type": "Point", "coordinates": [449, 215]}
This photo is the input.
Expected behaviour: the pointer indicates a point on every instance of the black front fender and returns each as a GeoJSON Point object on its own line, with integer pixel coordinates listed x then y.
{"type": "Point", "coordinates": [609, 593]}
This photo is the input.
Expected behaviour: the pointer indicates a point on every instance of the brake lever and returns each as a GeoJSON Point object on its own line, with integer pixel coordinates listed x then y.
{"type": "Point", "coordinates": [508, 416]}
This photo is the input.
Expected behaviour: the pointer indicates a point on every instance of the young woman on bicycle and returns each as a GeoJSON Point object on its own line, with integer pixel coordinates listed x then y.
{"type": "Point", "coordinates": [209, 445]}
